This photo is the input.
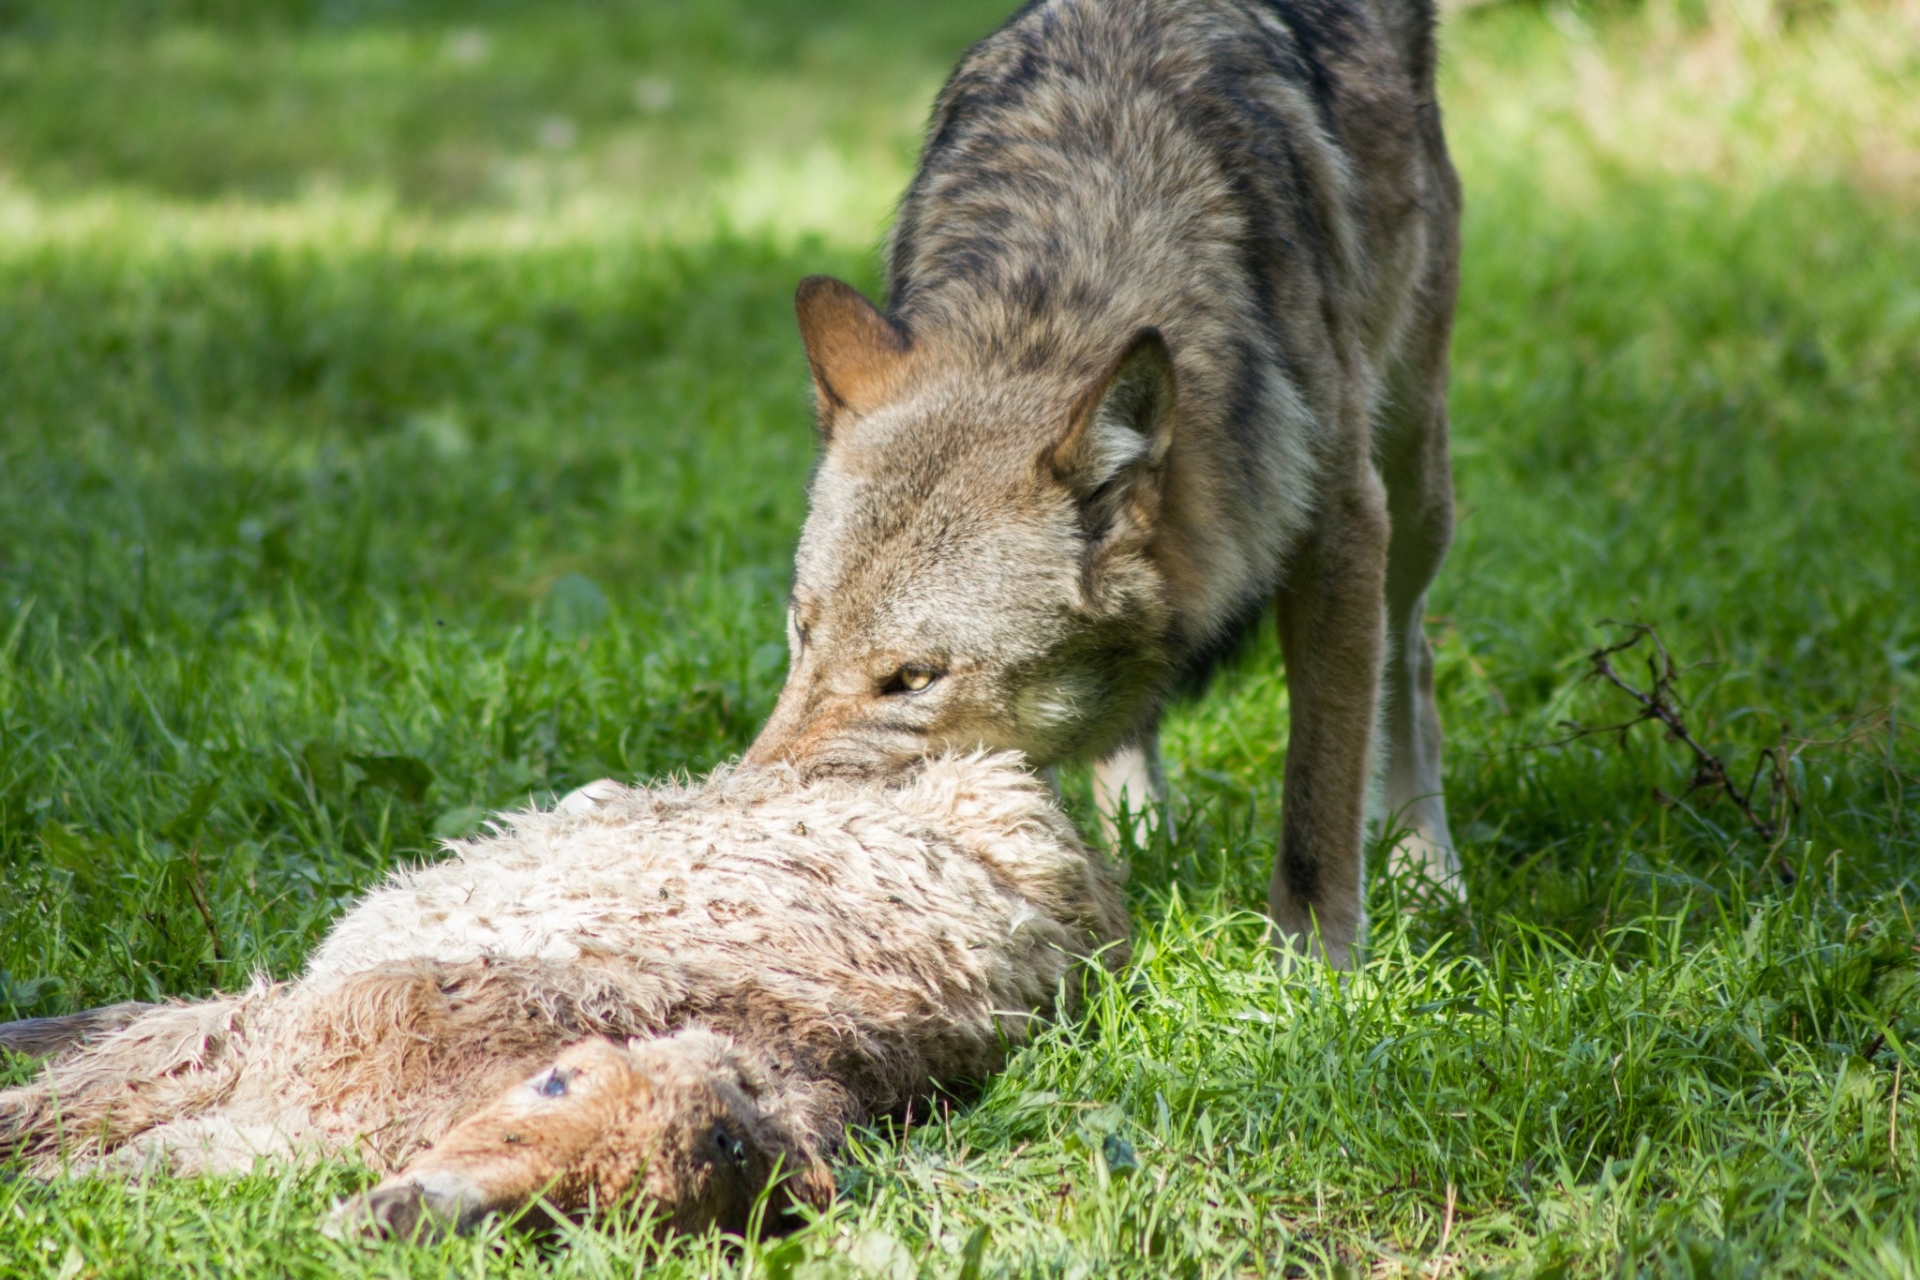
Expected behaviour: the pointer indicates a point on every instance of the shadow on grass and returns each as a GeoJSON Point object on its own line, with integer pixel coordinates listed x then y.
{"type": "Point", "coordinates": [451, 105]}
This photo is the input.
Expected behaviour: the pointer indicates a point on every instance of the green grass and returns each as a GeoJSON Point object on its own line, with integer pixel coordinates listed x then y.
{"type": "Point", "coordinates": [400, 416]}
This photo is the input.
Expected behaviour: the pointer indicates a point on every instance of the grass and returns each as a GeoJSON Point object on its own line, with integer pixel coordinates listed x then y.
{"type": "Point", "coordinates": [399, 417]}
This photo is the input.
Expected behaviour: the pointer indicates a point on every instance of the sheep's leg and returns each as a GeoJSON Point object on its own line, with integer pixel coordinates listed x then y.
{"type": "Point", "coordinates": [45, 1037]}
{"type": "Point", "coordinates": [679, 1122]}
{"type": "Point", "coordinates": [168, 1062]}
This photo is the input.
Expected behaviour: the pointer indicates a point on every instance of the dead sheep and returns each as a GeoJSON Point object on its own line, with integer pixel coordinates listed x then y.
{"type": "Point", "coordinates": [685, 994]}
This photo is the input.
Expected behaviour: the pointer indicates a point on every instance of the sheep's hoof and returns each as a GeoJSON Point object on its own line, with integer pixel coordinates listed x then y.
{"type": "Point", "coordinates": [45, 1037]}
{"type": "Point", "coordinates": [584, 800]}
{"type": "Point", "coordinates": [395, 1211]}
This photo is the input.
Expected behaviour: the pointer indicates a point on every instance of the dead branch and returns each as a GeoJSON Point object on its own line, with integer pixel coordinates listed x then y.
{"type": "Point", "coordinates": [1661, 703]}
{"type": "Point", "coordinates": [197, 890]}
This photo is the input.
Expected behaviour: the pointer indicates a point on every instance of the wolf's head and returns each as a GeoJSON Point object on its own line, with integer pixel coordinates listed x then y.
{"type": "Point", "coordinates": [978, 566]}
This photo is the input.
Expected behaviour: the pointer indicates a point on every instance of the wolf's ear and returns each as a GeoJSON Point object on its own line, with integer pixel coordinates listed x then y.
{"type": "Point", "coordinates": [1119, 431]}
{"type": "Point", "coordinates": [855, 351]}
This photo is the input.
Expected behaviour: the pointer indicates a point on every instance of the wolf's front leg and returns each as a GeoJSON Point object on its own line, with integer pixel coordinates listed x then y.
{"type": "Point", "coordinates": [1415, 805]}
{"type": "Point", "coordinates": [1331, 617]}
{"type": "Point", "coordinates": [677, 1121]}
{"type": "Point", "coordinates": [1419, 478]}
{"type": "Point", "coordinates": [1130, 787]}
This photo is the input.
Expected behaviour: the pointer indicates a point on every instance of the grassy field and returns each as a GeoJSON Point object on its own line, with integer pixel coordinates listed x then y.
{"type": "Point", "coordinates": [400, 416]}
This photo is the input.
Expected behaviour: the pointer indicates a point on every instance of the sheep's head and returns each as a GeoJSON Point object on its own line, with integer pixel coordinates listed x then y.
{"type": "Point", "coordinates": [679, 1122]}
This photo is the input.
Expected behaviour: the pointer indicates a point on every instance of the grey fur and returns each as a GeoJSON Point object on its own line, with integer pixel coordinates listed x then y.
{"type": "Point", "coordinates": [1169, 305]}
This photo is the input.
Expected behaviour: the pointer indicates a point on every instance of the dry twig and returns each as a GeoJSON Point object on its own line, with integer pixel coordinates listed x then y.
{"type": "Point", "coordinates": [1660, 702]}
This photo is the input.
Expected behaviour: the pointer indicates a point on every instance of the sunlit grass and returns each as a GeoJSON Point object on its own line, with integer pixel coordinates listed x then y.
{"type": "Point", "coordinates": [1744, 93]}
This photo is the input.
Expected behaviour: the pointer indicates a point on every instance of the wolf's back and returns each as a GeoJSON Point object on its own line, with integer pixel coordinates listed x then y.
{"type": "Point", "coordinates": [1408, 24]}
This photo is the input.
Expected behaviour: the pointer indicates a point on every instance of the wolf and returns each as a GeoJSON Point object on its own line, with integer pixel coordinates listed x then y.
{"type": "Point", "coordinates": [1165, 338]}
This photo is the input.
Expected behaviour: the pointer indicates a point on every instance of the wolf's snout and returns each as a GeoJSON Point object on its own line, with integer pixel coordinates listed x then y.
{"type": "Point", "coordinates": [827, 738]}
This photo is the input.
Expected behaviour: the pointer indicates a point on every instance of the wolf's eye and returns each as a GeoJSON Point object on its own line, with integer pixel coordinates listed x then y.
{"type": "Point", "coordinates": [910, 680]}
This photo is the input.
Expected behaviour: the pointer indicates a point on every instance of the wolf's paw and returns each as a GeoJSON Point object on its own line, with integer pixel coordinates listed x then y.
{"type": "Point", "coordinates": [1428, 869]}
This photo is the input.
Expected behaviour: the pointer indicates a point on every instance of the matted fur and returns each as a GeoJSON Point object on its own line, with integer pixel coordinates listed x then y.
{"type": "Point", "coordinates": [798, 958]}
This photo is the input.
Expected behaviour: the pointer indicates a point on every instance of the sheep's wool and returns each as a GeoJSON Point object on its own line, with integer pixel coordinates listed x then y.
{"type": "Point", "coordinates": [966, 879]}
{"type": "Point", "coordinates": [856, 942]}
